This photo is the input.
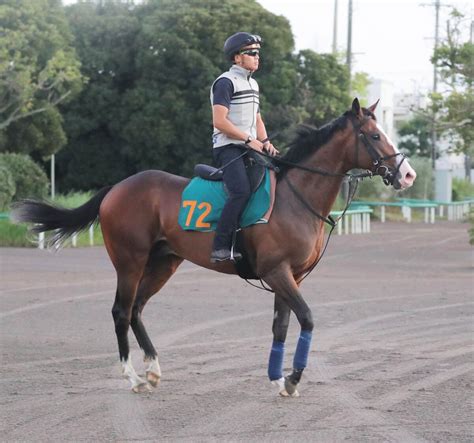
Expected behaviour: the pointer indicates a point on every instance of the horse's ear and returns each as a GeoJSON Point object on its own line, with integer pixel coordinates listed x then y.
{"type": "Point", "coordinates": [372, 108]}
{"type": "Point", "coordinates": [356, 109]}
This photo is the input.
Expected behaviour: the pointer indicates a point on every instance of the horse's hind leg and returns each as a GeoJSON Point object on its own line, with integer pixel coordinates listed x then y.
{"type": "Point", "coordinates": [160, 267]}
{"type": "Point", "coordinates": [122, 311]}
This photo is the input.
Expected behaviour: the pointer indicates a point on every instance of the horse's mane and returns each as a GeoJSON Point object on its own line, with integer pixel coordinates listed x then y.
{"type": "Point", "coordinates": [308, 139]}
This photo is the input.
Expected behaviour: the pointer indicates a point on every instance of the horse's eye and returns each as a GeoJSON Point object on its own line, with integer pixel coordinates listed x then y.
{"type": "Point", "coordinates": [376, 136]}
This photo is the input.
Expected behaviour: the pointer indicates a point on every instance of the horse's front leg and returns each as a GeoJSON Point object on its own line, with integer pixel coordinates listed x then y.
{"type": "Point", "coordinates": [288, 294]}
{"type": "Point", "coordinates": [281, 320]}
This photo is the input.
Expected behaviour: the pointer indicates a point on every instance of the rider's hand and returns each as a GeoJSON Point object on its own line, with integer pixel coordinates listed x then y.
{"type": "Point", "coordinates": [267, 146]}
{"type": "Point", "coordinates": [255, 144]}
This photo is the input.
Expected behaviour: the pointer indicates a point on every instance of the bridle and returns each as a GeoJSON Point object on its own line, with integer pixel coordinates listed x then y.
{"type": "Point", "coordinates": [378, 168]}
{"type": "Point", "coordinates": [387, 173]}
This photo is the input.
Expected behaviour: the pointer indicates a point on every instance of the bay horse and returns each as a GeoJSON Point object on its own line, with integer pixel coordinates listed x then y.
{"type": "Point", "coordinates": [139, 222]}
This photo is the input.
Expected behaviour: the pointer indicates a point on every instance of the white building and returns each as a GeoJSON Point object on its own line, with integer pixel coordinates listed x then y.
{"type": "Point", "coordinates": [383, 90]}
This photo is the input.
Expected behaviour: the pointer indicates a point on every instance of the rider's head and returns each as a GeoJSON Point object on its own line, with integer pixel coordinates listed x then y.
{"type": "Point", "coordinates": [243, 49]}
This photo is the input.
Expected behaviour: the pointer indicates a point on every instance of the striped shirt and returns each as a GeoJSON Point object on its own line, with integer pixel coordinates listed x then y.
{"type": "Point", "coordinates": [239, 92]}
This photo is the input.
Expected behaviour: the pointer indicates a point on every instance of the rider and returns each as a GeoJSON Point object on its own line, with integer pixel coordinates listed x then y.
{"type": "Point", "coordinates": [237, 121]}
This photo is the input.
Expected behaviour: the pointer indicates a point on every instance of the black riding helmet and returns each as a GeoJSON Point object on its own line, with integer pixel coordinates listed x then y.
{"type": "Point", "coordinates": [237, 41]}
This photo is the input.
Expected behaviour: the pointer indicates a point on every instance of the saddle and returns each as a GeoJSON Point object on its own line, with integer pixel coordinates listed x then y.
{"type": "Point", "coordinates": [262, 184]}
{"type": "Point", "coordinates": [255, 163]}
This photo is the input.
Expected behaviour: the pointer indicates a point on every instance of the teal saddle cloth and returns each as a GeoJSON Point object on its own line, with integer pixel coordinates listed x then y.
{"type": "Point", "coordinates": [202, 202]}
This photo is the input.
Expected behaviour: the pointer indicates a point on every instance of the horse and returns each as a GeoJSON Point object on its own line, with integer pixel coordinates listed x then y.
{"type": "Point", "coordinates": [138, 218]}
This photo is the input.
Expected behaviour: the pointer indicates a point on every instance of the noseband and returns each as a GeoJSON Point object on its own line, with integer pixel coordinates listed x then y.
{"type": "Point", "coordinates": [387, 173]}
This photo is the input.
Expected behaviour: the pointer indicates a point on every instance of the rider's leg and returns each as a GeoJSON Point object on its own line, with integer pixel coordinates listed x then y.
{"type": "Point", "coordinates": [238, 188]}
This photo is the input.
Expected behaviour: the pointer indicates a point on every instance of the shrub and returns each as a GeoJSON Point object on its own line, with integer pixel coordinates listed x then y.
{"type": "Point", "coordinates": [462, 189]}
{"type": "Point", "coordinates": [29, 179]}
{"type": "Point", "coordinates": [7, 187]}
{"type": "Point", "coordinates": [14, 235]}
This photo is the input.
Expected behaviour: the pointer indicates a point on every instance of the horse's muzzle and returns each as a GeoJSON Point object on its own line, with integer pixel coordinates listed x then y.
{"type": "Point", "coordinates": [406, 176]}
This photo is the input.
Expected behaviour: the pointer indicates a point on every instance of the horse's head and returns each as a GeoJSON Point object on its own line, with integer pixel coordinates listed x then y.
{"type": "Point", "coordinates": [375, 151]}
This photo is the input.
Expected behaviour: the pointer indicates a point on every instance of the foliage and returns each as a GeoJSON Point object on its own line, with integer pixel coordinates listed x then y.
{"type": "Point", "coordinates": [12, 235]}
{"type": "Point", "coordinates": [7, 187]}
{"type": "Point", "coordinates": [38, 71]}
{"type": "Point", "coordinates": [104, 41]}
{"type": "Point", "coordinates": [462, 189]}
{"type": "Point", "coordinates": [29, 179]}
{"type": "Point", "coordinates": [415, 137]}
{"type": "Point", "coordinates": [454, 108]}
{"type": "Point", "coordinates": [322, 87]}
{"type": "Point", "coordinates": [360, 85]}
{"type": "Point", "coordinates": [150, 69]}
{"type": "Point", "coordinates": [73, 199]}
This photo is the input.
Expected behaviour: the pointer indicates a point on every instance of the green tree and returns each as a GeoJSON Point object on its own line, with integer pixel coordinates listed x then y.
{"type": "Point", "coordinates": [360, 87]}
{"type": "Point", "coordinates": [454, 108]}
{"type": "Point", "coordinates": [105, 43]}
{"type": "Point", "coordinates": [322, 87]}
{"type": "Point", "coordinates": [29, 180]}
{"type": "Point", "coordinates": [415, 137]}
{"type": "Point", "coordinates": [38, 71]}
{"type": "Point", "coordinates": [167, 116]}
{"type": "Point", "coordinates": [151, 67]}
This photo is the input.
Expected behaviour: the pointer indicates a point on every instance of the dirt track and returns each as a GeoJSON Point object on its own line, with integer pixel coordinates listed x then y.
{"type": "Point", "coordinates": [391, 360]}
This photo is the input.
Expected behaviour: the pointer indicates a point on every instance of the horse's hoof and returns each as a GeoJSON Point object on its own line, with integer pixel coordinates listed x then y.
{"type": "Point", "coordinates": [290, 388]}
{"type": "Point", "coordinates": [153, 379]}
{"type": "Point", "coordinates": [142, 388]}
{"type": "Point", "coordinates": [280, 384]}
{"type": "Point", "coordinates": [284, 393]}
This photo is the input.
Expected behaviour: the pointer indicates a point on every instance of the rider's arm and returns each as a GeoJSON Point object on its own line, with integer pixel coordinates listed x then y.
{"type": "Point", "coordinates": [222, 94]}
{"type": "Point", "coordinates": [262, 135]}
{"type": "Point", "coordinates": [223, 124]}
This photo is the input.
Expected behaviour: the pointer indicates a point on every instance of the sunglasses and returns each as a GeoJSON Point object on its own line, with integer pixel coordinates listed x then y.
{"type": "Point", "coordinates": [251, 52]}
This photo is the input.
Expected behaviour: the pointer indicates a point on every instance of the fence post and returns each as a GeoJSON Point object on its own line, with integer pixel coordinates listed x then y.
{"type": "Point", "coordinates": [41, 240]}
{"type": "Point", "coordinates": [91, 235]}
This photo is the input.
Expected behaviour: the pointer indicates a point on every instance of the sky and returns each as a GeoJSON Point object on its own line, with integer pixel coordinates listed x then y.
{"type": "Point", "coordinates": [391, 40]}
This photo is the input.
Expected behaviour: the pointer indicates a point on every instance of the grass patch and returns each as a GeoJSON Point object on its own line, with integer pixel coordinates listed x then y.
{"type": "Point", "coordinates": [12, 235]}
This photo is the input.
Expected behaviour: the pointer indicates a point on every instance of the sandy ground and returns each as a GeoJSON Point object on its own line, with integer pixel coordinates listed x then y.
{"type": "Point", "coordinates": [391, 360]}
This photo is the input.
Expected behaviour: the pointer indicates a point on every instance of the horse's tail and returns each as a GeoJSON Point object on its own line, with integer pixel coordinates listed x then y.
{"type": "Point", "coordinates": [64, 222]}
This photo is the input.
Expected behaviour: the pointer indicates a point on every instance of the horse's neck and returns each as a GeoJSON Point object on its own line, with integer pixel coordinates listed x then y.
{"type": "Point", "coordinates": [320, 191]}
